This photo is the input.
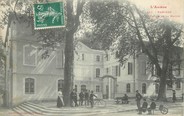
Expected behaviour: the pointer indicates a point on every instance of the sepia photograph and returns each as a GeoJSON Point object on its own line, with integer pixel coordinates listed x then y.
{"type": "Point", "coordinates": [91, 57]}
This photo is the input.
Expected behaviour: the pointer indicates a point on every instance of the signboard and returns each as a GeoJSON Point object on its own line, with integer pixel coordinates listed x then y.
{"type": "Point", "coordinates": [48, 15]}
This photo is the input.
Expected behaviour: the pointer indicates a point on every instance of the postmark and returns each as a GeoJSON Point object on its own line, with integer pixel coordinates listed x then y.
{"type": "Point", "coordinates": [48, 15]}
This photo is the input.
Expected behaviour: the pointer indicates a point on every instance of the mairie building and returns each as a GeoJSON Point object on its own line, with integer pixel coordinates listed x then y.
{"type": "Point", "coordinates": [29, 77]}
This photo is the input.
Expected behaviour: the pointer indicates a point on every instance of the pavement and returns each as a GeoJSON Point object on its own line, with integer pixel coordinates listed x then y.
{"type": "Point", "coordinates": [110, 107]}
{"type": "Point", "coordinates": [50, 109]}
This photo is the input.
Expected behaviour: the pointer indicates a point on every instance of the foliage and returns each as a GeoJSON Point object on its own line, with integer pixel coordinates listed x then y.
{"type": "Point", "coordinates": [124, 27]}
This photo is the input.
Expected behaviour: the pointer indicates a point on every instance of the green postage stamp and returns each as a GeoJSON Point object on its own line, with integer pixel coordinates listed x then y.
{"type": "Point", "coordinates": [48, 15]}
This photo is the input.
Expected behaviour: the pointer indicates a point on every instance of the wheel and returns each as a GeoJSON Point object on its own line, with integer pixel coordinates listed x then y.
{"type": "Point", "coordinates": [100, 103]}
{"type": "Point", "coordinates": [164, 110]}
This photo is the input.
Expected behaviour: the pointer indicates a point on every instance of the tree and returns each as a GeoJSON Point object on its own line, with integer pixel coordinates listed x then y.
{"type": "Point", "coordinates": [128, 29]}
{"type": "Point", "coordinates": [72, 25]}
{"type": "Point", "coordinates": [2, 66]}
{"type": "Point", "coordinates": [21, 8]}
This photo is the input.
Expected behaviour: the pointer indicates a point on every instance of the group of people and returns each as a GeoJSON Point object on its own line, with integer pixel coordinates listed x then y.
{"type": "Point", "coordinates": [144, 106]}
{"type": "Point", "coordinates": [85, 97]}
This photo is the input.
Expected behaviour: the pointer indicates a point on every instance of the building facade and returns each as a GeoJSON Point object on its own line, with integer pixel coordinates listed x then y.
{"type": "Point", "coordinates": [101, 72]}
{"type": "Point", "coordinates": [30, 77]}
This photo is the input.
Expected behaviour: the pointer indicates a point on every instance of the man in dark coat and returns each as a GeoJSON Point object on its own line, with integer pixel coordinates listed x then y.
{"type": "Point", "coordinates": [87, 97]}
{"type": "Point", "coordinates": [81, 98]}
{"type": "Point", "coordinates": [138, 100]}
{"type": "Point", "coordinates": [73, 97]}
{"type": "Point", "coordinates": [91, 98]}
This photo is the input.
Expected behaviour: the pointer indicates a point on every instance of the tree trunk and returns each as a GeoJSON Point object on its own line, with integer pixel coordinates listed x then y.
{"type": "Point", "coordinates": [162, 89]}
{"type": "Point", "coordinates": [71, 28]}
{"type": "Point", "coordinates": [163, 77]}
{"type": "Point", "coordinates": [68, 70]}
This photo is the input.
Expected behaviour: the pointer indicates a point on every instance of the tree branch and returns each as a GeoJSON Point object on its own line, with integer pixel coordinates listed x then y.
{"type": "Point", "coordinates": [153, 59]}
{"type": "Point", "coordinates": [80, 4]}
{"type": "Point", "coordinates": [147, 33]}
{"type": "Point", "coordinates": [129, 23]}
{"type": "Point", "coordinates": [177, 36]}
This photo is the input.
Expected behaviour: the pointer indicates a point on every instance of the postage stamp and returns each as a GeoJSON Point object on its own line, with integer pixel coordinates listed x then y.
{"type": "Point", "coordinates": [48, 15]}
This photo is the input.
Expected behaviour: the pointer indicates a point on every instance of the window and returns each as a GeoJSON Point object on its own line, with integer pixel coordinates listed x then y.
{"type": "Point", "coordinates": [97, 88]}
{"type": "Point", "coordinates": [98, 58]}
{"type": "Point", "coordinates": [83, 87]}
{"type": "Point", "coordinates": [114, 70]}
{"type": "Point", "coordinates": [14, 32]}
{"type": "Point", "coordinates": [107, 57]}
{"type": "Point", "coordinates": [144, 88]}
{"type": "Point", "coordinates": [177, 70]}
{"type": "Point", "coordinates": [178, 85]}
{"type": "Point", "coordinates": [29, 86]}
{"type": "Point", "coordinates": [29, 55]}
{"type": "Point", "coordinates": [169, 87]}
{"type": "Point", "coordinates": [82, 57]}
{"type": "Point", "coordinates": [143, 69]}
{"type": "Point", "coordinates": [129, 68]}
{"type": "Point", "coordinates": [59, 59]}
{"type": "Point", "coordinates": [156, 88]}
{"type": "Point", "coordinates": [97, 72]}
{"type": "Point", "coordinates": [117, 69]}
{"type": "Point", "coordinates": [116, 54]}
{"type": "Point", "coordinates": [107, 70]}
{"type": "Point", "coordinates": [60, 84]}
{"type": "Point", "coordinates": [128, 88]}
{"type": "Point", "coordinates": [76, 88]}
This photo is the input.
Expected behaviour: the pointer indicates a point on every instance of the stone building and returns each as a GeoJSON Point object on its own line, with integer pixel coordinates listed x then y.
{"type": "Point", "coordinates": [29, 77]}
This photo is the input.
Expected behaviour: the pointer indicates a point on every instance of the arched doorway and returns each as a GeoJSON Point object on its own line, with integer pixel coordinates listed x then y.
{"type": "Point", "coordinates": [109, 86]}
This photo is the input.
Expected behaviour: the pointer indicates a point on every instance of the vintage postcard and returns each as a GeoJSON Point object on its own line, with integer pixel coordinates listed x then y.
{"type": "Point", "coordinates": [91, 57]}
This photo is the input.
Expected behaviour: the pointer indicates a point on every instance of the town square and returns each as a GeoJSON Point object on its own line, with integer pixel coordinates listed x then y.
{"type": "Point", "coordinates": [86, 58]}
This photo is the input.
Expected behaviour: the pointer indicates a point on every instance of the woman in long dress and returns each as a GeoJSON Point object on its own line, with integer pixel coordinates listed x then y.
{"type": "Point", "coordinates": [60, 102]}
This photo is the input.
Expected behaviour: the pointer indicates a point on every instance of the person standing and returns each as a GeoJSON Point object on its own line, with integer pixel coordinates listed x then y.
{"type": "Point", "coordinates": [86, 95]}
{"type": "Point", "coordinates": [174, 96]}
{"type": "Point", "coordinates": [138, 100]}
{"type": "Point", "coordinates": [75, 98]}
{"type": "Point", "coordinates": [91, 98]}
{"type": "Point", "coordinates": [60, 102]}
{"type": "Point", "coordinates": [71, 98]}
{"type": "Point", "coordinates": [81, 98]}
